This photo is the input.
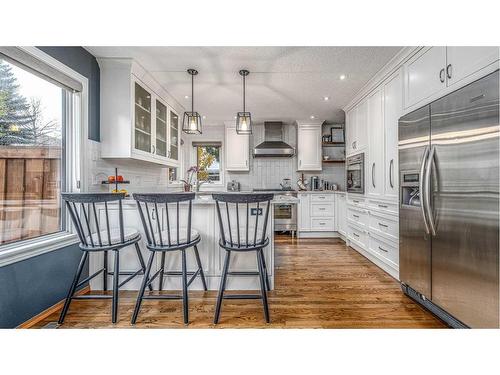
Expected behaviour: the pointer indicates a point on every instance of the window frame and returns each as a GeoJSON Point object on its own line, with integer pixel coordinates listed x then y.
{"type": "Point", "coordinates": [194, 161]}
{"type": "Point", "coordinates": [74, 167]}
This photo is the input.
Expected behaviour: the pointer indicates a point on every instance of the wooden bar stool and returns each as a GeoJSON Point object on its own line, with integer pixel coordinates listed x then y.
{"type": "Point", "coordinates": [252, 238]}
{"type": "Point", "coordinates": [173, 238]}
{"type": "Point", "coordinates": [95, 237]}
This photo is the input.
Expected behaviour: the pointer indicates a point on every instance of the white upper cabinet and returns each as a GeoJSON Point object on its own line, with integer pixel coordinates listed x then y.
{"type": "Point", "coordinates": [356, 128]}
{"type": "Point", "coordinates": [429, 73]}
{"type": "Point", "coordinates": [350, 130]}
{"type": "Point", "coordinates": [464, 61]}
{"type": "Point", "coordinates": [237, 150]}
{"type": "Point", "coordinates": [425, 74]}
{"type": "Point", "coordinates": [309, 147]}
{"type": "Point", "coordinates": [136, 121]}
{"type": "Point", "coordinates": [361, 126]}
{"type": "Point", "coordinates": [375, 178]}
{"type": "Point", "coordinates": [393, 107]}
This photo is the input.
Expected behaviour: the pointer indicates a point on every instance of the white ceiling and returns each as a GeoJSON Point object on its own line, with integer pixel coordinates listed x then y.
{"type": "Point", "coordinates": [285, 83]}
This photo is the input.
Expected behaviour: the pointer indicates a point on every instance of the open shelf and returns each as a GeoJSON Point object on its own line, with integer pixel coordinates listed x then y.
{"type": "Point", "coordinates": [333, 144]}
{"type": "Point", "coordinates": [333, 161]}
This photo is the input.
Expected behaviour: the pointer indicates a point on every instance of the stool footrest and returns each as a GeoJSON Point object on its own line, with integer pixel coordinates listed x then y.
{"type": "Point", "coordinates": [193, 277]}
{"type": "Point", "coordinates": [243, 273]}
{"type": "Point", "coordinates": [163, 296]}
{"type": "Point", "coordinates": [178, 273]}
{"type": "Point", "coordinates": [242, 296]}
{"type": "Point", "coordinates": [95, 296]}
{"type": "Point", "coordinates": [88, 278]}
{"type": "Point", "coordinates": [134, 274]}
{"type": "Point", "coordinates": [124, 273]}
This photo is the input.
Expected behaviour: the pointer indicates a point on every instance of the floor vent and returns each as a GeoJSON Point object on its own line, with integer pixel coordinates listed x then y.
{"type": "Point", "coordinates": [51, 325]}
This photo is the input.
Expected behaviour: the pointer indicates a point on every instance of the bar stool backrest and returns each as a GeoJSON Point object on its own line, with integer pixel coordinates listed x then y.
{"type": "Point", "coordinates": [83, 218]}
{"type": "Point", "coordinates": [171, 236]}
{"type": "Point", "coordinates": [243, 218]}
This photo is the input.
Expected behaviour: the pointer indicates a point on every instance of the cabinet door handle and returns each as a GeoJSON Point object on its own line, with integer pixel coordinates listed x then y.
{"type": "Point", "coordinates": [384, 250]}
{"type": "Point", "coordinates": [246, 163]}
{"type": "Point", "coordinates": [300, 162]}
{"type": "Point", "coordinates": [449, 71]}
{"type": "Point", "coordinates": [373, 176]}
{"type": "Point", "coordinates": [391, 171]}
{"type": "Point", "coordinates": [441, 75]}
{"type": "Point", "coordinates": [383, 225]}
{"type": "Point", "coordinates": [153, 148]}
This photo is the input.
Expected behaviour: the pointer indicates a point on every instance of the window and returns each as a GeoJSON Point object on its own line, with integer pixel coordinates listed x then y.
{"type": "Point", "coordinates": [208, 161]}
{"type": "Point", "coordinates": [35, 114]}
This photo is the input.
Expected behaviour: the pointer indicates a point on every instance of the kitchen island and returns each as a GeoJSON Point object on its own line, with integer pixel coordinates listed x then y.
{"type": "Point", "coordinates": [204, 220]}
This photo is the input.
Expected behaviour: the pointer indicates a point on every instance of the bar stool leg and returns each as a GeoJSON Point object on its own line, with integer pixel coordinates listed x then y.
{"type": "Point", "coordinates": [105, 272]}
{"type": "Point", "coordinates": [222, 287]}
{"type": "Point", "coordinates": [202, 274]}
{"type": "Point", "coordinates": [141, 261]}
{"type": "Point", "coordinates": [145, 281]}
{"type": "Point", "coordinates": [268, 284]}
{"type": "Point", "coordinates": [162, 271]}
{"type": "Point", "coordinates": [262, 284]}
{"type": "Point", "coordinates": [185, 301]}
{"type": "Point", "coordinates": [73, 287]}
{"type": "Point", "coordinates": [116, 277]}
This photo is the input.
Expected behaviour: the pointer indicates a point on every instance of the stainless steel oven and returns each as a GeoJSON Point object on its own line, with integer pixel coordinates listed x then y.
{"type": "Point", "coordinates": [355, 175]}
{"type": "Point", "coordinates": [285, 212]}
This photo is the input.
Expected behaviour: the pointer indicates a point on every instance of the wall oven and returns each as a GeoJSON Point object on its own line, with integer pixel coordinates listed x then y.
{"type": "Point", "coordinates": [355, 176]}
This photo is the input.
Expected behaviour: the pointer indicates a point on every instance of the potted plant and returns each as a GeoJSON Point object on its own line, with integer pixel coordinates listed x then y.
{"type": "Point", "coordinates": [188, 182]}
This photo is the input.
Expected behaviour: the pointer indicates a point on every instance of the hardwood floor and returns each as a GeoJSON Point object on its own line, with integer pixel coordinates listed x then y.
{"type": "Point", "coordinates": [320, 283]}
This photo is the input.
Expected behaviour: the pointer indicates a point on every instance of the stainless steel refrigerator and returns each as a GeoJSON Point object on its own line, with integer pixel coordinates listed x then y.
{"type": "Point", "coordinates": [449, 205]}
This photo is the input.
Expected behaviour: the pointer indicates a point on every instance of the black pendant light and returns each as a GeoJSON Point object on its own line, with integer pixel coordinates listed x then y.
{"type": "Point", "coordinates": [244, 119]}
{"type": "Point", "coordinates": [191, 123]}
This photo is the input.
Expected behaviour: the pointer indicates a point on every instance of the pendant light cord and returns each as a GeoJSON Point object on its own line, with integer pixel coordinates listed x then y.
{"type": "Point", "coordinates": [243, 93]}
{"type": "Point", "coordinates": [192, 93]}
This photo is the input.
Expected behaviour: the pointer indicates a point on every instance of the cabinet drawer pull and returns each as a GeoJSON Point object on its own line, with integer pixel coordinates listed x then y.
{"type": "Point", "coordinates": [355, 201]}
{"type": "Point", "coordinates": [382, 205]}
{"type": "Point", "coordinates": [384, 250]}
{"type": "Point", "coordinates": [356, 216]}
{"type": "Point", "coordinates": [449, 71]}
{"type": "Point", "coordinates": [355, 234]}
{"type": "Point", "coordinates": [441, 75]}
{"type": "Point", "coordinates": [373, 176]}
{"type": "Point", "coordinates": [322, 208]}
{"type": "Point", "coordinates": [383, 225]}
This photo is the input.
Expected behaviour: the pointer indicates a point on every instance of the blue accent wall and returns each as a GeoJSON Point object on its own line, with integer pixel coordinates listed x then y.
{"type": "Point", "coordinates": [33, 285]}
{"type": "Point", "coordinates": [82, 61]}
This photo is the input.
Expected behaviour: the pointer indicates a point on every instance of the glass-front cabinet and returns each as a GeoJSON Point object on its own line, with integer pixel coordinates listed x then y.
{"type": "Point", "coordinates": [174, 136]}
{"type": "Point", "coordinates": [156, 127]}
{"type": "Point", "coordinates": [142, 124]}
{"type": "Point", "coordinates": [161, 129]}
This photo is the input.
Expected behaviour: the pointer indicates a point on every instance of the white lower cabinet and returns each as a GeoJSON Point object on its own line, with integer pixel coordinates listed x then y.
{"type": "Point", "coordinates": [373, 230]}
{"type": "Point", "coordinates": [317, 215]}
{"type": "Point", "coordinates": [340, 214]}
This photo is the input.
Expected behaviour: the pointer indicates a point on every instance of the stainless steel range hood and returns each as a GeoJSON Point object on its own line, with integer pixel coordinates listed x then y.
{"type": "Point", "coordinates": [273, 145]}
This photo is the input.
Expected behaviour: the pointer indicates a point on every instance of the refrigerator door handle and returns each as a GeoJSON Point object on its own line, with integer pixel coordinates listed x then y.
{"type": "Point", "coordinates": [421, 185]}
{"type": "Point", "coordinates": [427, 201]}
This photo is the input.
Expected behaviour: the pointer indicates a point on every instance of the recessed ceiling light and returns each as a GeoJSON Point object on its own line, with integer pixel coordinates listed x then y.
{"type": "Point", "coordinates": [235, 117]}
{"type": "Point", "coordinates": [342, 77]}
{"type": "Point", "coordinates": [326, 98]}
{"type": "Point", "coordinates": [204, 117]}
{"type": "Point", "coordinates": [186, 96]}
{"type": "Point", "coordinates": [312, 117]}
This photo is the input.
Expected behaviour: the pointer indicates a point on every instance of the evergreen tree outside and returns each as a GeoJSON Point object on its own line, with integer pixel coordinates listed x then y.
{"type": "Point", "coordinates": [14, 108]}
{"type": "Point", "coordinates": [21, 120]}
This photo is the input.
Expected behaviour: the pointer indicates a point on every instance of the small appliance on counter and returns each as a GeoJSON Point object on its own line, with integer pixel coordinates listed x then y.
{"type": "Point", "coordinates": [233, 185]}
{"type": "Point", "coordinates": [286, 184]}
